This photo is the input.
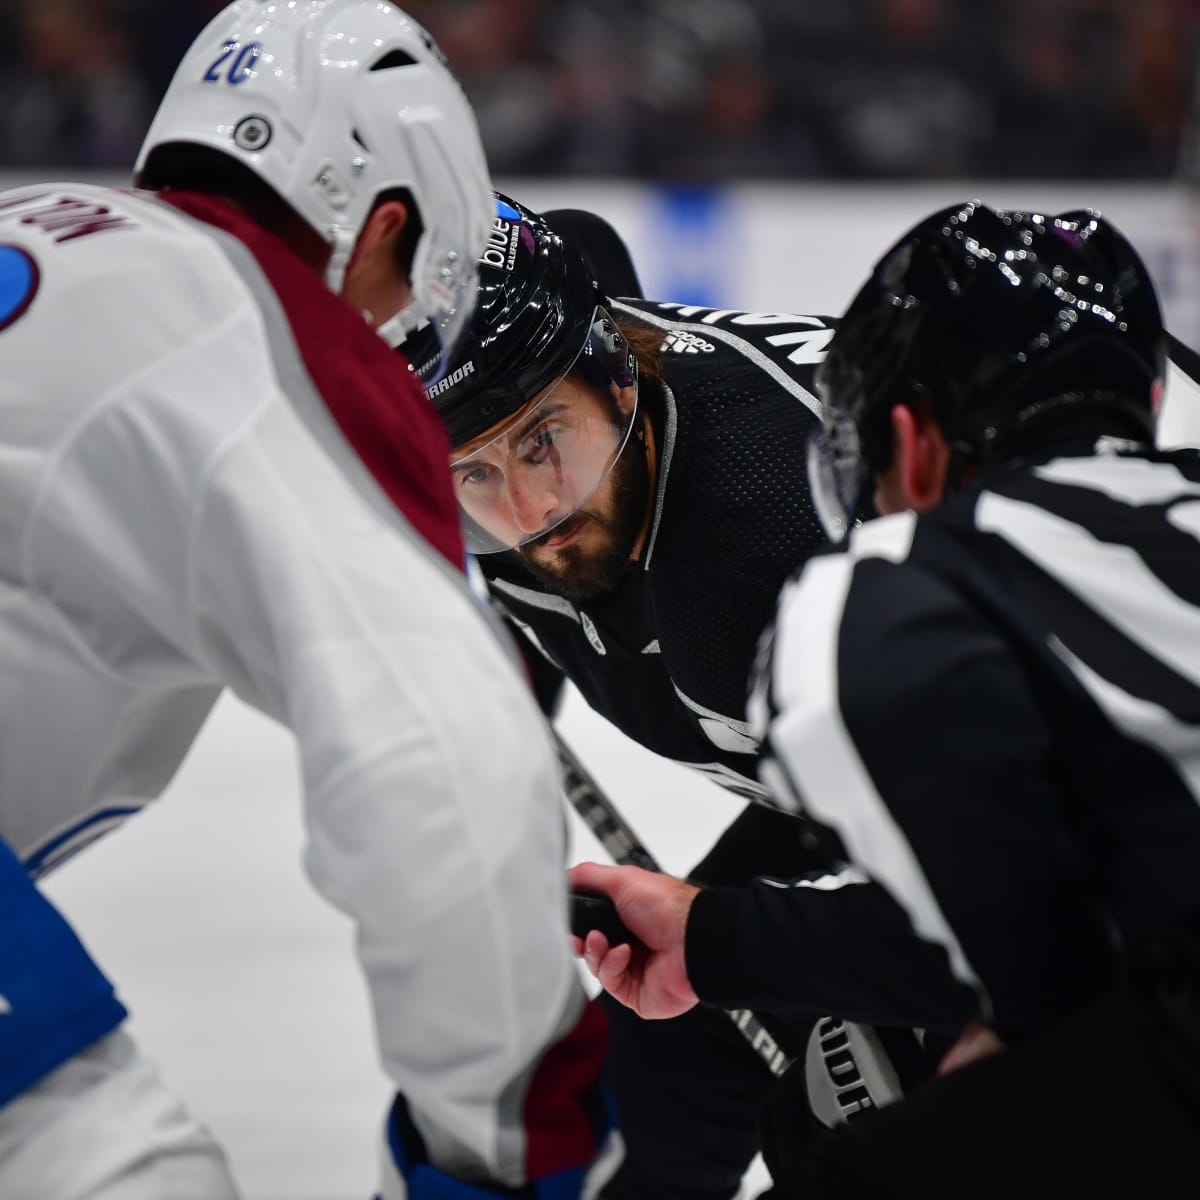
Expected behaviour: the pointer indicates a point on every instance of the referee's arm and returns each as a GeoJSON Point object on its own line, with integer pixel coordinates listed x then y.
{"type": "Point", "coordinates": [922, 743]}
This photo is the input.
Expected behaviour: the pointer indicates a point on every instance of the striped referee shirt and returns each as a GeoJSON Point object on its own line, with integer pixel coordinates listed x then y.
{"type": "Point", "coordinates": [996, 705]}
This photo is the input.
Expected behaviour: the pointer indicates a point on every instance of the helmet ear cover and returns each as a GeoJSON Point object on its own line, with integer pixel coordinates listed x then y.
{"type": "Point", "coordinates": [606, 357]}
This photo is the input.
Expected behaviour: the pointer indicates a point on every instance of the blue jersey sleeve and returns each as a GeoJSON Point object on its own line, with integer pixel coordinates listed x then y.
{"type": "Point", "coordinates": [54, 1000]}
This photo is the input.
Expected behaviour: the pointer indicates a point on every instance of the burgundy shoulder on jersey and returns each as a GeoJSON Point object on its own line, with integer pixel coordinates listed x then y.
{"type": "Point", "coordinates": [368, 388]}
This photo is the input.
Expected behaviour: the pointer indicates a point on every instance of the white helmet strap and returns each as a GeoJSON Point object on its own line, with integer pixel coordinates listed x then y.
{"type": "Point", "coordinates": [344, 241]}
{"type": "Point", "coordinates": [397, 328]}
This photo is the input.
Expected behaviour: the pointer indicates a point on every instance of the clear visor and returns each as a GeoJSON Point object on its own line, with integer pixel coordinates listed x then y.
{"type": "Point", "coordinates": [836, 473]}
{"type": "Point", "coordinates": [451, 291]}
{"type": "Point", "coordinates": [532, 476]}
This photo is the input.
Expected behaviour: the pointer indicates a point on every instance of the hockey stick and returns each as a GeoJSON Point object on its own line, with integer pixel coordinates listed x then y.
{"type": "Point", "coordinates": [618, 838]}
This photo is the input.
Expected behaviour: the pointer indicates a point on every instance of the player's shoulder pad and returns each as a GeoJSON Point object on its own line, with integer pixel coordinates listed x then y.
{"type": "Point", "coordinates": [791, 341]}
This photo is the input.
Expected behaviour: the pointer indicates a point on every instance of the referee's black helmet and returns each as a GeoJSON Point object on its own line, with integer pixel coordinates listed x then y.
{"type": "Point", "coordinates": [999, 321]}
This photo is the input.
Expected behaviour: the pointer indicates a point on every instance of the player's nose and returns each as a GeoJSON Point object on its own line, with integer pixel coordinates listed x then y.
{"type": "Point", "coordinates": [534, 505]}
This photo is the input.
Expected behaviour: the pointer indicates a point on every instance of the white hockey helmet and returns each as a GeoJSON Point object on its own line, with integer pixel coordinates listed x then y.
{"type": "Point", "coordinates": [333, 103]}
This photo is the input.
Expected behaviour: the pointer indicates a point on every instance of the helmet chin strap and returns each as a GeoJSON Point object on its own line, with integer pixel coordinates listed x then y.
{"type": "Point", "coordinates": [397, 328]}
{"type": "Point", "coordinates": [343, 243]}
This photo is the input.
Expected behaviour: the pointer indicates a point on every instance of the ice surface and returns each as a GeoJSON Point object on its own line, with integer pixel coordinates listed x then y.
{"type": "Point", "coordinates": [241, 979]}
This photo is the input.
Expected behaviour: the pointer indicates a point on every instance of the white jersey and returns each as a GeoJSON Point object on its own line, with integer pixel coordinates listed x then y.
{"type": "Point", "coordinates": [179, 511]}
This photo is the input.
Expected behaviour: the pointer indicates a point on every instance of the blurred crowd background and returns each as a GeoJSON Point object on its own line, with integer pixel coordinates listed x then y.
{"type": "Point", "coordinates": [697, 90]}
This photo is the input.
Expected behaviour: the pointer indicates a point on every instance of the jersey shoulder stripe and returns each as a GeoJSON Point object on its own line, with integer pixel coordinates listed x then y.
{"type": "Point", "coordinates": [785, 346]}
{"type": "Point", "coordinates": [808, 737]}
{"type": "Point", "coordinates": [378, 407]}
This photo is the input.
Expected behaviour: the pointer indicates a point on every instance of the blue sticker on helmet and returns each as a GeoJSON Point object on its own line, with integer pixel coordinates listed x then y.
{"type": "Point", "coordinates": [19, 278]}
{"type": "Point", "coordinates": [506, 210]}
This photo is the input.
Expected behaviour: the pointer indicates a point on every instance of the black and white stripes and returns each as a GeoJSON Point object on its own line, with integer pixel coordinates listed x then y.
{"type": "Point", "coordinates": [997, 706]}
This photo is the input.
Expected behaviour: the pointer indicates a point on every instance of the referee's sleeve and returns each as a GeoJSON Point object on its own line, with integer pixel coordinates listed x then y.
{"type": "Point", "coordinates": [902, 718]}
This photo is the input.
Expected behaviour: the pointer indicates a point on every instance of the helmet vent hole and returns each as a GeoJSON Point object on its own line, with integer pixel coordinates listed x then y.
{"type": "Point", "coordinates": [358, 138]}
{"type": "Point", "coordinates": [394, 58]}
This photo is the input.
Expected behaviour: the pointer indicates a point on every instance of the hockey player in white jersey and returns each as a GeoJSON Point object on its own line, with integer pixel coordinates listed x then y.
{"type": "Point", "coordinates": [231, 480]}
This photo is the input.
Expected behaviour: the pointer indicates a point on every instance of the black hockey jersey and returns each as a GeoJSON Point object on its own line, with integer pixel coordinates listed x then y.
{"type": "Point", "coordinates": [667, 657]}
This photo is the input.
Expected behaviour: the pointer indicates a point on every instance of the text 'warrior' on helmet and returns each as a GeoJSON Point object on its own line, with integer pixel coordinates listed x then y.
{"type": "Point", "coordinates": [535, 309]}
{"type": "Point", "coordinates": [334, 103]}
{"type": "Point", "coordinates": [999, 321]}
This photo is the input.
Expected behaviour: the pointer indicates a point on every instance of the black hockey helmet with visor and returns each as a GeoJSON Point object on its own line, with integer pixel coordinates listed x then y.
{"type": "Point", "coordinates": [535, 402]}
{"type": "Point", "coordinates": [997, 322]}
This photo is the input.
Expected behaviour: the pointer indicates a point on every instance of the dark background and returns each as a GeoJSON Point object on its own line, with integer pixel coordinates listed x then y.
{"type": "Point", "coordinates": [696, 90]}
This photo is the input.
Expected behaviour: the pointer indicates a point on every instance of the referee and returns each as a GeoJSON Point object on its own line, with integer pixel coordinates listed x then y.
{"type": "Point", "coordinates": [993, 696]}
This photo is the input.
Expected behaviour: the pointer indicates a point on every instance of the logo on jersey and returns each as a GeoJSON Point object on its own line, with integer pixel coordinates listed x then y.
{"type": "Point", "coordinates": [682, 342]}
{"type": "Point", "coordinates": [805, 346]}
{"type": "Point", "coordinates": [19, 281]}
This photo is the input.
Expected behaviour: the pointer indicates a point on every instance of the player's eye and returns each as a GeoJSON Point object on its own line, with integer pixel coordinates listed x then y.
{"type": "Point", "coordinates": [536, 447]}
{"type": "Point", "coordinates": [474, 476]}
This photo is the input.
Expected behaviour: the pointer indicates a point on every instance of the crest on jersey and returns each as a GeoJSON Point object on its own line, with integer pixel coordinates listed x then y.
{"type": "Point", "coordinates": [19, 280]}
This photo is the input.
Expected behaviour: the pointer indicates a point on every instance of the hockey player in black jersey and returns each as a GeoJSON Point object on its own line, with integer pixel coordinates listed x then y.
{"type": "Point", "coordinates": [993, 696]}
{"type": "Point", "coordinates": [652, 499]}
{"type": "Point", "coordinates": [632, 478]}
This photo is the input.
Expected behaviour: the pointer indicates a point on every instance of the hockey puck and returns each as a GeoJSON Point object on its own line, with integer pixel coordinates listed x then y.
{"type": "Point", "coordinates": [590, 912]}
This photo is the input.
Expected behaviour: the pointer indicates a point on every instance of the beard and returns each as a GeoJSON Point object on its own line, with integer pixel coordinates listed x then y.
{"type": "Point", "coordinates": [582, 574]}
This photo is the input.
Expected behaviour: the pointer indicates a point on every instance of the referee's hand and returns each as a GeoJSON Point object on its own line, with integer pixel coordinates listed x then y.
{"type": "Point", "coordinates": [648, 976]}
